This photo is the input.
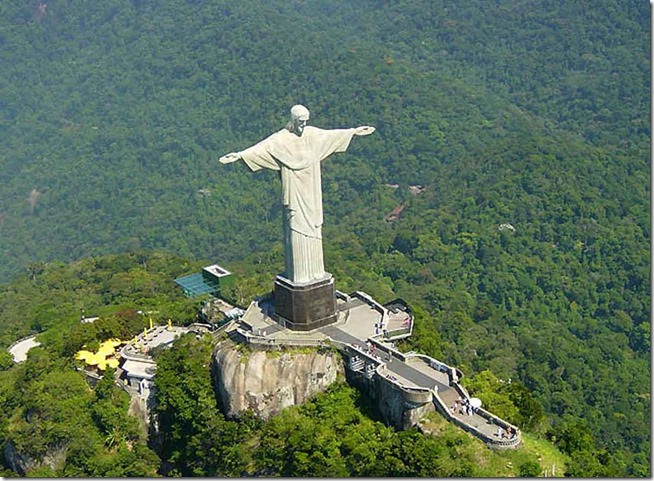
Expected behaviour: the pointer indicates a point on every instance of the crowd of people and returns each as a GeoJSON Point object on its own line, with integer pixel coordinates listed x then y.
{"type": "Point", "coordinates": [507, 433]}
{"type": "Point", "coordinates": [462, 406]}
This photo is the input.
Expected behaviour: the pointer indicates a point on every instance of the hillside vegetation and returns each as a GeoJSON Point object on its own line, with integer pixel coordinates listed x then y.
{"type": "Point", "coordinates": [54, 425]}
{"type": "Point", "coordinates": [527, 254]}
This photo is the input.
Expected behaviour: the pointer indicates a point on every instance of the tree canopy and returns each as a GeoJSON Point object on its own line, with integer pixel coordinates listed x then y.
{"type": "Point", "coordinates": [526, 255]}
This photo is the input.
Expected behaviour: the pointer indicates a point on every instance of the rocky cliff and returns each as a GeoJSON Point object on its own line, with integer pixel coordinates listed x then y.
{"type": "Point", "coordinates": [54, 457]}
{"type": "Point", "coordinates": [269, 381]}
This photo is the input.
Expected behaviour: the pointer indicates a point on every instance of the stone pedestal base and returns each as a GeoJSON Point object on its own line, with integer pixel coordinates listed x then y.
{"type": "Point", "coordinates": [303, 307]}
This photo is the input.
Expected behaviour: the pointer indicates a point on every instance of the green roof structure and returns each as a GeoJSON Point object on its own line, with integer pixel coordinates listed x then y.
{"type": "Point", "coordinates": [209, 281]}
{"type": "Point", "coordinates": [196, 285]}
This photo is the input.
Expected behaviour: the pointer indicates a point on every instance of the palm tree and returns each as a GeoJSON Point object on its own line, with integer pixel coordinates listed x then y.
{"type": "Point", "coordinates": [114, 438]}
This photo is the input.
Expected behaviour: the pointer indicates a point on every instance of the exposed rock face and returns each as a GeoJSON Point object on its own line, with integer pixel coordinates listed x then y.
{"type": "Point", "coordinates": [139, 409]}
{"type": "Point", "coordinates": [21, 463]}
{"type": "Point", "coordinates": [268, 381]}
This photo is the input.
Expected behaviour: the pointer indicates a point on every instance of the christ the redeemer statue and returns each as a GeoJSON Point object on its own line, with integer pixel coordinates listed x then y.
{"type": "Point", "coordinates": [297, 151]}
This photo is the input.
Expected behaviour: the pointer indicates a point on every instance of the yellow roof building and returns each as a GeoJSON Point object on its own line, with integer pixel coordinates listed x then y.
{"type": "Point", "coordinates": [105, 356]}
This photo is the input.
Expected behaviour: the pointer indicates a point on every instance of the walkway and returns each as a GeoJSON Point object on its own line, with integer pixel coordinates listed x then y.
{"type": "Point", "coordinates": [20, 348]}
{"type": "Point", "coordinates": [360, 324]}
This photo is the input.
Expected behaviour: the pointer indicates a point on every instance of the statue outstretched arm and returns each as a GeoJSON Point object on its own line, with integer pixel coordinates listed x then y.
{"type": "Point", "coordinates": [229, 158]}
{"type": "Point", "coordinates": [364, 130]}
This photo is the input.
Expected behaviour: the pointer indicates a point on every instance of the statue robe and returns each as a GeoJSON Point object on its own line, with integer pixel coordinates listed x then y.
{"type": "Point", "coordinates": [298, 158]}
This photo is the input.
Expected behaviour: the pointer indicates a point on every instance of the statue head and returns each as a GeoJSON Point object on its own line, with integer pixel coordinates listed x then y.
{"type": "Point", "coordinates": [299, 118]}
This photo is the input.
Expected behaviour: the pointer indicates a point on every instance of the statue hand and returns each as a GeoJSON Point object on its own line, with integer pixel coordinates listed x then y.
{"type": "Point", "coordinates": [229, 158]}
{"type": "Point", "coordinates": [364, 130]}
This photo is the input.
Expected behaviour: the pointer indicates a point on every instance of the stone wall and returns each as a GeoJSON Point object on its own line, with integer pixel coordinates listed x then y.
{"type": "Point", "coordinates": [400, 408]}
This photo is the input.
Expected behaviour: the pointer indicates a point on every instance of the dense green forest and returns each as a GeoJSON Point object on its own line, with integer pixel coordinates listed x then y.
{"type": "Point", "coordinates": [51, 413]}
{"type": "Point", "coordinates": [514, 113]}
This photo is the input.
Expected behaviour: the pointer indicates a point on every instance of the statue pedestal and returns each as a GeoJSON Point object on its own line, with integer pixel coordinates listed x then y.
{"type": "Point", "coordinates": [303, 307]}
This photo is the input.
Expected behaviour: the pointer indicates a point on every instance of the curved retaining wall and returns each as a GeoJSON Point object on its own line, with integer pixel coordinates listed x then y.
{"type": "Point", "coordinates": [128, 351]}
{"type": "Point", "coordinates": [400, 405]}
{"type": "Point", "coordinates": [415, 396]}
{"type": "Point", "coordinates": [491, 441]}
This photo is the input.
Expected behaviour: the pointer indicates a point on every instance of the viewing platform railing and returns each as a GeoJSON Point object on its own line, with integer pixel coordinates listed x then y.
{"type": "Point", "coordinates": [412, 394]}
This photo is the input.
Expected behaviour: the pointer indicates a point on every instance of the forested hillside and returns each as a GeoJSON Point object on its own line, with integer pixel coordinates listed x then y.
{"type": "Point", "coordinates": [527, 123]}
{"type": "Point", "coordinates": [54, 425]}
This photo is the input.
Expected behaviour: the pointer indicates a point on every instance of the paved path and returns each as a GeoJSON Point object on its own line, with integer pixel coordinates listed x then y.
{"type": "Point", "coordinates": [418, 378]}
{"type": "Point", "coordinates": [421, 376]}
{"type": "Point", "coordinates": [19, 350]}
{"type": "Point", "coordinates": [339, 335]}
{"type": "Point", "coordinates": [356, 329]}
